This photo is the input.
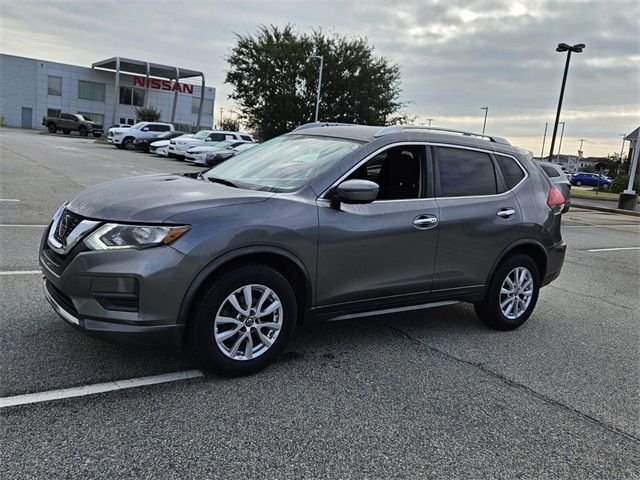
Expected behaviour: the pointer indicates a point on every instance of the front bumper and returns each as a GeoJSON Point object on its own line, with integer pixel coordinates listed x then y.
{"type": "Point", "coordinates": [197, 158]}
{"type": "Point", "coordinates": [129, 296]}
{"type": "Point", "coordinates": [114, 140]}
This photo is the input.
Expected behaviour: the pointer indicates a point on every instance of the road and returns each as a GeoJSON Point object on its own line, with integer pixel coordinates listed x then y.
{"type": "Point", "coordinates": [430, 394]}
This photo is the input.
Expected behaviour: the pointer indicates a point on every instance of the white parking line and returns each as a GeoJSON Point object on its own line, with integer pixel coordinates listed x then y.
{"type": "Point", "coordinates": [9, 199]}
{"type": "Point", "coordinates": [97, 388]}
{"type": "Point", "coordinates": [22, 226]}
{"type": "Point", "coordinates": [21, 272]}
{"type": "Point", "coordinates": [612, 249]}
{"type": "Point", "coordinates": [601, 226]}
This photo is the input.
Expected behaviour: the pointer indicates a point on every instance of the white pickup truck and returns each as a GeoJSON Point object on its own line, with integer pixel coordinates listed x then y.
{"type": "Point", "coordinates": [124, 137]}
{"type": "Point", "coordinates": [178, 146]}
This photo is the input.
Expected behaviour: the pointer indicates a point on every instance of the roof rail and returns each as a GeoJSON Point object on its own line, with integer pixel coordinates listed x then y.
{"type": "Point", "coordinates": [324, 124]}
{"type": "Point", "coordinates": [402, 128]}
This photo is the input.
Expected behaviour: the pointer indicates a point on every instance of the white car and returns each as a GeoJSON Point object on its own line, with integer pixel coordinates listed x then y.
{"type": "Point", "coordinates": [161, 147]}
{"type": "Point", "coordinates": [198, 155]}
{"type": "Point", "coordinates": [179, 146]}
{"type": "Point", "coordinates": [124, 137]}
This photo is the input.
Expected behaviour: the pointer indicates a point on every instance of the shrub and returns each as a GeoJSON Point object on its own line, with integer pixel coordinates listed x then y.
{"type": "Point", "coordinates": [620, 183]}
{"type": "Point", "coordinates": [148, 114]}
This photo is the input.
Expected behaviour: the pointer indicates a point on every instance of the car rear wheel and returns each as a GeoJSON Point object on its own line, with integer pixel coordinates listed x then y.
{"type": "Point", "coordinates": [578, 183]}
{"type": "Point", "coordinates": [83, 131]}
{"type": "Point", "coordinates": [244, 321]}
{"type": "Point", "coordinates": [52, 128]}
{"type": "Point", "coordinates": [512, 294]}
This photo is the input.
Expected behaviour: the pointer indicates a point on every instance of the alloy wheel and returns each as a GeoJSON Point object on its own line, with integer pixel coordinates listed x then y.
{"type": "Point", "coordinates": [248, 322]}
{"type": "Point", "coordinates": [516, 293]}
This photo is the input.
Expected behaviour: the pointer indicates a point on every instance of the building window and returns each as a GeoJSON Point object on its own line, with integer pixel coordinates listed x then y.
{"type": "Point", "coordinates": [207, 106]}
{"type": "Point", "coordinates": [53, 112]}
{"type": "Point", "coordinates": [94, 117]}
{"type": "Point", "coordinates": [132, 96]}
{"type": "Point", "coordinates": [128, 121]}
{"type": "Point", "coordinates": [91, 91]}
{"type": "Point", "coordinates": [54, 86]}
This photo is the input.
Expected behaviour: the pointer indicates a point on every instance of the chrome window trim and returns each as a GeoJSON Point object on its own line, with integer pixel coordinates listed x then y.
{"type": "Point", "coordinates": [322, 197]}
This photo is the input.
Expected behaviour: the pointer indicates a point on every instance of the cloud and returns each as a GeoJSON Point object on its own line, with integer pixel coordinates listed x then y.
{"type": "Point", "coordinates": [455, 56]}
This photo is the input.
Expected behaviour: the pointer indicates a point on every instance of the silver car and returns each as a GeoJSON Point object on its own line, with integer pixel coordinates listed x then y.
{"type": "Point", "coordinates": [328, 222]}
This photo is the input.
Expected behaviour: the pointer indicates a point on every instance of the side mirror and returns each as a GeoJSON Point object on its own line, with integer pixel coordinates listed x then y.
{"type": "Point", "coordinates": [356, 191]}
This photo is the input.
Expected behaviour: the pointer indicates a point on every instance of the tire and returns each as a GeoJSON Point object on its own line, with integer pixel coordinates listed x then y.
{"type": "Point", "coordinates": [127, 143]}
{"type": "Point", "coordinates": [51, 127]}
{"type": "Point", "coordinates": [578, 183]}
{"type": "Point", "coordinates": [215, 314]}
{"type": "Point", "coordinates": [66, 132]}
{"type": "Point", "coordinates": [83, 131]}
{"type": "Point", "coordinates": [489, 310]}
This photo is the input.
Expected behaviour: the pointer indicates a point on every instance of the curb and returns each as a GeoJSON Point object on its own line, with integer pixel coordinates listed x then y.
{"type": "Point", "coordinates": [605, 209]}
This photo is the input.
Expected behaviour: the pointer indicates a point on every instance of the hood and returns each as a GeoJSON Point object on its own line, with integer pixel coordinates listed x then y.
{"type": "Point", "coordinates": [184, 140]}
{"type": "Point", "coordinates": [120, 130]}
{"type": "Point", "coordinates": [160, 143]}
{"type": "Point", "coordinates": [154, 198]}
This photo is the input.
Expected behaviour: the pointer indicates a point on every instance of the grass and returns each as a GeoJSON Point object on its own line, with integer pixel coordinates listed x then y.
{"type": "Point", "coordinates": [595, 195]}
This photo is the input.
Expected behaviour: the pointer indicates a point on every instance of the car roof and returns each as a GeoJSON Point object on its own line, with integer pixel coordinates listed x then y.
{"type": "Point", "coordinates": [366, 134]}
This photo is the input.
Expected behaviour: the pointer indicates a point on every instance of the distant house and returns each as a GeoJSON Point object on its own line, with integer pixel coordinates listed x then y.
{"type": "Point", "coordinates": [573, 163]}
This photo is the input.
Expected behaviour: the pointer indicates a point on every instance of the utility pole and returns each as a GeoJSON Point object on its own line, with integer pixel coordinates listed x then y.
{"type": "Point", "coordinates": [582, 140]}
{"type": "Point", "coordinates": [321, 57]}
{"type": "Point", "coordinates": [484, 125]}
{"type": "Point", "coordinates": [563, 47]}
{"type": "Point", "coordinates": [430, 120]}
{"type": "Point", "coordinates": [544, 139]}
{"type": "Point", "coordinates": [560, 146]}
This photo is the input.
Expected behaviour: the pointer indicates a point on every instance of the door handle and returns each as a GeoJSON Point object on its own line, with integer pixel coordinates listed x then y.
{"type": "Point", "coordinates": [425, 221]}
{"type": "Point", "coordinates": [506, 212]}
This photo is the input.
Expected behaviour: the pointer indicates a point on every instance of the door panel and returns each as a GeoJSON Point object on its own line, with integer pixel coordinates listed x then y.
{"type": "Point", "coordinates": [374, 250]}
{"type": "Point", "coordinates": [472, 235]}
{"type": "Point", "coordinates": [27, 116]}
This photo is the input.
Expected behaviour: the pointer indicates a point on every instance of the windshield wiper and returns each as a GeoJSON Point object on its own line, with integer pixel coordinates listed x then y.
{"type": "Point", "coordinates": [222, 181]}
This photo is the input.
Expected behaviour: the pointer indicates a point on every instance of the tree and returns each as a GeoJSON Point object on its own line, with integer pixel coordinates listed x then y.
{"type": "Point", "coordinates": [275, 80]}
{"type": "Point", "coordinates": [229, 124]}
{"type": "Point", "coordinates": [148, 114]}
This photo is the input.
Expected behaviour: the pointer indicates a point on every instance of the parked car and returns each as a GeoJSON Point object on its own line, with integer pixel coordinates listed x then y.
{"type": "Point", "coordinates": [161, 147]}
{"type": "Point", "coordinates": [214, 158]}
{"type": "Point", "coordinates": [120, 125]}
{"type": "Point", "coordinates": [326, 222]}
{"type": "Point", "coordinates": [143, 144]}
{"type": "Point", "coordinates": [179, 146]}
{"type": "Point", "coordinates": [125, 137]}
{"type": "Point", "coordinates": [589, 179]}
{"type": "Point", "coordinates": [72, 122]}
{"type": "Point", "coordinates": [198, 155]}
{"type": "Point", "coordinates": [557, 175]}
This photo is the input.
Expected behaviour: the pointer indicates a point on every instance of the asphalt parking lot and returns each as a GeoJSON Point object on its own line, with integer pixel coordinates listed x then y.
{"type": "Point", "coordinates": [430, 394]}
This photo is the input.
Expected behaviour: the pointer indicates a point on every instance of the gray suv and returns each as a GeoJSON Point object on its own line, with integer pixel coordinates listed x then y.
{"type": "Point", "coordinates": [327, 222]}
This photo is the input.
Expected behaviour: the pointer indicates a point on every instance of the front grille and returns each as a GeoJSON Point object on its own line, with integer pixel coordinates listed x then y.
{"type": "Point", "coordinates": [67, 223]}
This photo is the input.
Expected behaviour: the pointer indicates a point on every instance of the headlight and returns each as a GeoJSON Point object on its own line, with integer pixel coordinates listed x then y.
{"type": "Point", "coordinates": [112, 236]}
{"type": "Point", "coordinates": [211, 156]}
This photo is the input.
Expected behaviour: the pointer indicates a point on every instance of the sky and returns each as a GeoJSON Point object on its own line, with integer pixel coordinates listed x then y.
{"type": "Point", "coordinates": [455, 56]}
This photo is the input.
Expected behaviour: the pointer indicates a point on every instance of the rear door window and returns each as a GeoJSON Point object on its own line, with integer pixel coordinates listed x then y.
{"type": "Point", "coordinates": [465, 173]}
{"type": "Point", "coordinates": [510, 170]}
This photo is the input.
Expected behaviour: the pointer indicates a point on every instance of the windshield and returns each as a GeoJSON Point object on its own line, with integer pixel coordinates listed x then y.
{"type": "Point", "coordinates": [202, 134]}
{"type": "Point", "coordinates": [165, 135]}
{"type": "Point", "coordinates": [283, 164]}
{"type": "Point", "coordinates": [138, 126]}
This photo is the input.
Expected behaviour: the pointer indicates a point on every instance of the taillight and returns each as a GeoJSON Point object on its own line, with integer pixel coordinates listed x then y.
{"type": "Point", "coordinates": [555, 198]}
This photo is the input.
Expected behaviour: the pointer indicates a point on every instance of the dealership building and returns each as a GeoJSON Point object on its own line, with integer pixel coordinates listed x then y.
{"type": "Point", "coordinates": [108, 92]}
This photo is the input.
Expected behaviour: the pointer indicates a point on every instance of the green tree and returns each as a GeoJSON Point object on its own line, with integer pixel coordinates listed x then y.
{"type": "Point", "coordinates": [229, 124]}
{"type": "Point", "coordinates": [275, 80]}
{"type": "Point", "coordinates": [148, 114]}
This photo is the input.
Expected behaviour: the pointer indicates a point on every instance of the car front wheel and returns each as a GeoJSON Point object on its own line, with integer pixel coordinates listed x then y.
{"type": "Point", "coordinates": [512, 294]}
{"type": "Point", "coordinates": [127, 144]}
{"type": "Point", "coordinates": [578, 183]}
{"type": "Point", "coordinates": [244, 321]}
{"type": "Point", "coordinates": [83, 131]}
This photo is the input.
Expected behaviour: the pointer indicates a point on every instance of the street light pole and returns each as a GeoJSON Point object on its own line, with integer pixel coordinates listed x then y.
{"type": "Point", "coordinates": [582, 140]}
{"type": "Point", "coordinates": [430, 120]}
{"type": "Point", "coordinates": [486, 111]}
{"type": "Point", "coordinates": [622, 148]}
{"type": "Point", "coordinates": [560, 146]}
{"type": "Point", "coordinates": [544, 139]}
{"type": "Point", "coordinates": [321, 57]}
{"type": "Point", "coordinates": [563, 47]}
